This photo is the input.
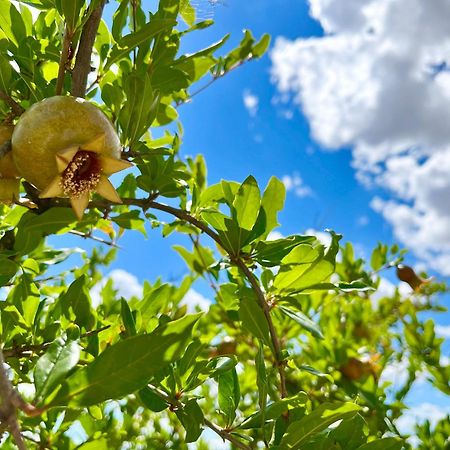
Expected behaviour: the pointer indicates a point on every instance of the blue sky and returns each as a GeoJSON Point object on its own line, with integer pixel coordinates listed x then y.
{"type": "Point", "coordinates": [347, 108]}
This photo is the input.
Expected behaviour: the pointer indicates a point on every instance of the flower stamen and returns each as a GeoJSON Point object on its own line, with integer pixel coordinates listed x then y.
{"type": "Point", "coordinates": [82, 175]}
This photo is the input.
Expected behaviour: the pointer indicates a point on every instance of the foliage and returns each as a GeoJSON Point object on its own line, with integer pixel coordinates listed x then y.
{"type": "Point", "coordinates": [290, 354]}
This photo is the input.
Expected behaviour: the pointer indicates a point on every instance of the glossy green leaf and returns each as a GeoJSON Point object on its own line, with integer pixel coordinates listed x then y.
{"type": "Point", "coordinates": [253, 318]}
{"type": "Point", "coordinates": [126, 366]}
{"type": "Point", "coordinates": [274, 411]}
{"type": "Point", "coordinates": [127, 318]}
{"type": "Point", "coordinates": [383, 444]}
{"type": "Point", "coordinates": [247, 203]}
{"type": "Point", "coordinates": [126, 44]}
{"type": "Point", "coordinates": [301, 431]}
{"type": "Point", "coordinates": [303, 320]}
{"type": "Point", "coordinates": [229, 394]}
{"type": "Point", "coordinates": [53, 366]}
{"type": "Point", "coordinates": [191, 416]}
{"type": "Point", "coordinates": [151, 400]}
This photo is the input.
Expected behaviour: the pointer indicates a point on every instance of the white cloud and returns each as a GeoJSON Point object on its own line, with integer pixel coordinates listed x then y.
{"type": "Point", "coordinates": [378, 85]}
{"type": "Point", "coordinates": [420, 413]}
{"type": "Point", "coordinates": [295, 184]}
{"type": "Point", "coordinates": [274, 235]}
{"type": "Point", "coordinates": [324, 238]}
{"type": "Point", "coordinates": [362, 221]}
{"type": "Point", "coordinates": [251, 102]}
{"type": "Point", "coordinates": [195, 301]}
{"type": "Point", "coordinates": [396, 373]}
{"type": "Point", "coordinates": [442, 331]}
{"type": "Point", "coordinates": [126, 285]}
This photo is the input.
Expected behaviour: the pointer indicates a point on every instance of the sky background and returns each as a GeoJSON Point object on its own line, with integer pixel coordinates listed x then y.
{"type": "Point", "coordinates": [350, 108]}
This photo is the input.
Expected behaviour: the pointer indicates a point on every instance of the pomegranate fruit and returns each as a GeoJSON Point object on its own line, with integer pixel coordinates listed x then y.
{"type": "Point", "coordinates": [67, 147]}
{"type": "Point", "coordinates": [9, 181]}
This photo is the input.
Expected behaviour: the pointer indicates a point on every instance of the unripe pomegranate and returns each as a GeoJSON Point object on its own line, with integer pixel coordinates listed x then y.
{"type": "Point", "coordinates": [9, 181]}
{"type": "Point", "coordinates": [67, 147]}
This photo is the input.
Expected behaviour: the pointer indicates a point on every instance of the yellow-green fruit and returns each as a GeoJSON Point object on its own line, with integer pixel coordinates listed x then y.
{"type": "Point", "coordinates": [9, 183]}
{"type": "Point", "coordinates": [9, 190]}
{"type": "Point", "coordinates": [52, 126]}
{"type": "Point", "coordinates": [7, 166]}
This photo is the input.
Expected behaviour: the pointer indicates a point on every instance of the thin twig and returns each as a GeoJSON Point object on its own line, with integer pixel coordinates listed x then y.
{"type": "Point", "coordinates": [94, 238]}
{"type": "Point", "coordinates": [83, 59]}
{"type": "Point", "coordinates": [213, 80]}
{"type": "Point", "coordinates": [15, 107]}
{"type": "Point", "coordinates": [177, 404]}
{"type": "Point", "coordinates": [225, 435]}
{"type": "Point", "coordinates": [63, 60]}
{"type": "Point", "coordinates": [26, 350]}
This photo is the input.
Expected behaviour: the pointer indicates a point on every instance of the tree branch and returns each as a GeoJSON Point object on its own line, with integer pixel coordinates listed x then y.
{"type": "Point", "coordinates": [266, 310]}
{"type": "Point", "coordinates": [150, 203]}
{"type": "Point", "coordinates": [8, 408]}
{"type": "Point", "coordinates": [83, 59]}
{"type": "Point", "coordinates": [26, 350]}
{"type": "Point", "coordinates": [67, 39]}
{"type": "Point", "coordinates": [15, 107]}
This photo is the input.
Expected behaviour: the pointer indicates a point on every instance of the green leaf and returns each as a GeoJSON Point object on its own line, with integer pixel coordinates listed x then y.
{"type": "Point", "coordinates": [303, 320]}
{"type": "Point", "coordinates": [191, 416]}
{"type": "Point", "coordinates": [60, 358]}
{"type": "Point", "coordinates": [127, 318]}
{"type": "Point", "coordinates": [304, 267]}
{"type": "Point", "coordinates": [119, 20]}
{"type": "Point", "coordinates": [247, 203]}
{"type": "Point", "coordinates": [151, 400]}
{"type": "Point", "coordinates": [77, 299]}
{"type": "Point", "coordinates": [229, 395]}
{"type": "Point", "coordinates": [131, 220]}
{"type": "Point", "coordinates": [301, 431]}
{"type": "Point", "coordinates": [273, 202]}
{"type": "Point", "coordinates": [261, 46]}
{"type": "Point", "coordinates": [253, 318]}
{"type": "Point", "coordinates": [139, 110]}
{"type": "Point", "coordinates": [133, 40]}
{"type": "Point", "coordinates": [270, 253]}
{"type": "Point", "coordinates": [70, 10]}
{"type": "Point", "coordinates": [315, 372]}
{"type": "Point", "coordinates": [187, 12]}
{"type": "Point", "coordinates": [5, 74]}
{"type": "Point", "coordinates": [127, 365]}
{"type": "Point", "coordinates": [273, 411]}
{"type": "Point", "coordinates": [383, 444]}
{"type": "Point", "coordinates": [8, 269]}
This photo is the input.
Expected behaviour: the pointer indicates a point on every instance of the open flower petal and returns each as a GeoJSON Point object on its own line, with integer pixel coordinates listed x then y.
{"type": "Point", "coordinates": [54, 189]}
{"type": "Point", "coordinates": [64, 157]}
{"type": "Point", "coordinates": [113, 165]}
{"type": "Point", "coordinates": [106, 190]}
{"type": "Point", "coordinates": [96, 145]}
{"type": "Point", "coordinates": [79, 204]}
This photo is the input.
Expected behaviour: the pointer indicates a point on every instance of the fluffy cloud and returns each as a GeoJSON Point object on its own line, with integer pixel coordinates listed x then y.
{"type": "Point", "coordinates": [443, 331]}
{"type": "Point", "coordinates": [195, 301]}
{"type": "Point", "coordinates": [378, 82]}
{"type": "Point", "coordinates": [419, 413]}
{"type": "Point", "coordinates": [295, 184]}
{"type": "Point", "coordinates": [251, 103]}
